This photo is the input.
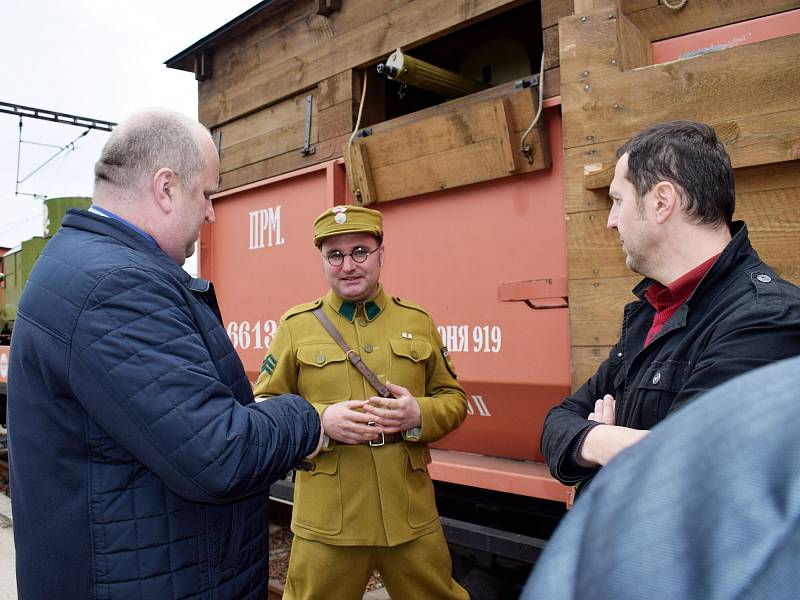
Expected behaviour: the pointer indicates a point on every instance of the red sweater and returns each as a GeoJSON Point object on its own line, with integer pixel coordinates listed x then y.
{"type": "Point", "coordinates": [667, 299]}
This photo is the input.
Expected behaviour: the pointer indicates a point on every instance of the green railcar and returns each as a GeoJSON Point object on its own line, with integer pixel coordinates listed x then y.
{"type": "Point", "coordinates": [18, 262]}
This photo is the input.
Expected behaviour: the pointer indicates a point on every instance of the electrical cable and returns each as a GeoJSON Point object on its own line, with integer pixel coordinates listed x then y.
{"type": "Point", "coordinates": [523, 147]}
{"type": "Point", "coordinates": [9, 226]}
{"type": "Point", "coordinates": [69, 147]}
{"type": "Point", "coordinates": [357, 192]}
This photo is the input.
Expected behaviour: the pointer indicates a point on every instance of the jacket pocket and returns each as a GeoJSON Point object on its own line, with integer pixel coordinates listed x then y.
{"type": "Point", "coordinates": [657, 388]}
{"type": "Point", "coordinates": [323, 366]}
{"type": "Point", "coordinates": [318, 498]}
{"type": "Point", "coordinates": [230, 534]}
{"type": "Point", "coordinates": [409, 358]}
{"type": "Point", "coordinates": [421, 500]}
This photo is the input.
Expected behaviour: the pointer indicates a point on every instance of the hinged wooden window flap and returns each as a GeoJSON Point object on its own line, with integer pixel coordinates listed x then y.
{"type": "Point", "coordinates": [503, 130]}
{"type": "Point", "coordinates": [449, 146]}
{"type": "Point", "coordinates": [357, 163]}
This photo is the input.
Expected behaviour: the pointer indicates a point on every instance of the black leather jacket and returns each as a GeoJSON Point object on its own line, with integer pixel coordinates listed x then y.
{"type": "Point", "coordinates": [741, 316]}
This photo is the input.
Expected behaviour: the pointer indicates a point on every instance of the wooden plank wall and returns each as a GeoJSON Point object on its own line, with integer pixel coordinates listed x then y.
{"type": "Point", "coordinates": [256, 98]}
{"type": "Point", "coordinates": [751, 94]}
{"type": "Point", "coordinates": [299, 49]}
{"type": "Point", "coordinates": [268, 142]}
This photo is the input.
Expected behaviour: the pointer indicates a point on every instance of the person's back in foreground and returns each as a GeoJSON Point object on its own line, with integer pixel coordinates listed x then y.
{"type": "Point", "coordinates": [706, 508]}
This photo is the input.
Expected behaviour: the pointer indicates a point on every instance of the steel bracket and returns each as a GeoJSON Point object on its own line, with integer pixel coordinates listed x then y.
{"type": "Point", "coordinates": [308, 149]}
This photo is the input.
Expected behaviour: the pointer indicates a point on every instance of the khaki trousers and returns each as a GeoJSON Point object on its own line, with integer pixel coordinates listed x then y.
{"type": "Point", "coordinates": [417, 570]}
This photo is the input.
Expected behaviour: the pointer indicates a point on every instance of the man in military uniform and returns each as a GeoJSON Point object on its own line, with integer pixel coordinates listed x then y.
{"type": "Point", "coordinates": [368, 502]}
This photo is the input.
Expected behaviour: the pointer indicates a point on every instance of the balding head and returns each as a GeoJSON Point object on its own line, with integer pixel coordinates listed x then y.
{"type": "Point", "coordinates": [143, 144]}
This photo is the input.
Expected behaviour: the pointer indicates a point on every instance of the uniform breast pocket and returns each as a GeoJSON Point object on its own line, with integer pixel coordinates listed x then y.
{"type": "Point", "coordinates": [323, 372]}
{"type": "Point", "coordinates": [408, 364]}
{"type": "Point", "coordinates": [657, 389]}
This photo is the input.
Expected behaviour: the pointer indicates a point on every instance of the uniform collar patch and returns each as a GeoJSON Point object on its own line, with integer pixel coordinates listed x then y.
{"type": "Point", "coordinates": [349, 310]}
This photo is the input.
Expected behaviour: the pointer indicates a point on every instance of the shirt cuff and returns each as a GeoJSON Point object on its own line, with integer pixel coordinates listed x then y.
{"type": "Point", "coordinates": [413, 434]}
{"type": "Point", "coordinates": [572, 456]}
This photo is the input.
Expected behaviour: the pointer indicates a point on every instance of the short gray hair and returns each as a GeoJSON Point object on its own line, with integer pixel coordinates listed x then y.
{"type": "Point", "coordinates": [147, 142]}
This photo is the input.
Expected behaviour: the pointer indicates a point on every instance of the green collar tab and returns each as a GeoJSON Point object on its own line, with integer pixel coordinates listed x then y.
{"type": "Point", "coordinates": [348, 310]}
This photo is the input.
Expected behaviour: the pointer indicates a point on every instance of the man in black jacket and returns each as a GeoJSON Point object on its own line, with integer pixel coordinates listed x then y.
{"type": "Point", "coordinates": [709, 309]}
{"type": "Point", "coordinates": [715, 529]}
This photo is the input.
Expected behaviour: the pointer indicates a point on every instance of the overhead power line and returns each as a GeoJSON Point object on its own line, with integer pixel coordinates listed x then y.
{"type": "Point", "coordinates": [56, 117]}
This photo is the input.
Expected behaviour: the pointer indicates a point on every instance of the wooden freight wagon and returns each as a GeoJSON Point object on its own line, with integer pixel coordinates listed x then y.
{"type": "Point", "coordinates": [490, 160]}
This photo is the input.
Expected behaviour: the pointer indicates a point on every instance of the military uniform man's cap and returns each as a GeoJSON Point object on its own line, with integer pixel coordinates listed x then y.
{"type": "Point", "coordinates": [347, 219]}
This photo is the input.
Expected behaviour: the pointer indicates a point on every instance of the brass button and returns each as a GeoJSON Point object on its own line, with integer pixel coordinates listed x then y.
{"type": "Point", "coordinates": [368, 348]}
{"type": "Point", "coordinates": [362, 322]}
{"type": "Point", "coordinates": [320, 359]}
{"type": "Point", "coordinates": [414, 354]}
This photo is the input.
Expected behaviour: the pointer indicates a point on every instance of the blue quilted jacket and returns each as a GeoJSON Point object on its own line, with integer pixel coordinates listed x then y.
{"type": "Point", "coordinates": [140, 463]}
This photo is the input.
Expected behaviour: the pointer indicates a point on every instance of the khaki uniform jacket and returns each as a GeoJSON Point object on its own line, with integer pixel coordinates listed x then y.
{"type": "Point", "coordinates": [358, 494]}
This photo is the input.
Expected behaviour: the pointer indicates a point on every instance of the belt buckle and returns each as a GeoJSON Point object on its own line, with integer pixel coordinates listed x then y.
{"type": "Point", "coordinates": [375, 443]}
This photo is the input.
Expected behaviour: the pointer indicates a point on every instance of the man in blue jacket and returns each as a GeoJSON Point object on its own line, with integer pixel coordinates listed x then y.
{"type": "Point", "coordinates": [140, 462]}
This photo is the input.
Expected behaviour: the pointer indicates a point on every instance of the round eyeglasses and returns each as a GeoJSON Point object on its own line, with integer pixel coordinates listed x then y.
{"type": "Point", "coordinates": [359, 255]}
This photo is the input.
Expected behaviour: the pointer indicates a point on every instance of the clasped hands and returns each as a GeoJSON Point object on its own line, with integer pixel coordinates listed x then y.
{"type": "Point", "coordinates": [361, 421]}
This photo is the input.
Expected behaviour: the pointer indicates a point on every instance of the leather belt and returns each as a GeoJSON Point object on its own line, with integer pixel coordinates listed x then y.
{"type": "Point", "coordinates": [385, 438]}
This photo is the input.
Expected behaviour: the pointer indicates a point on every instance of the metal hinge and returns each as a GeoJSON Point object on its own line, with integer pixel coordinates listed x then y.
{"type": "Point", "coordinates": [308, 149]}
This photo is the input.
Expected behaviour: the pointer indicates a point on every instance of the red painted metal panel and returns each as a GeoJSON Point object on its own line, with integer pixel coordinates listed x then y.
{"type": "Point", "coordinates": [728, 36]}
{"type": "Point", "coordinates": [499, 474]}
{"type": "Point", "coordinates": [453, 252]}
{"type": "Point", "coordinates": [260, 253]}
{"type": "Point", "coordinates": [467, 254]}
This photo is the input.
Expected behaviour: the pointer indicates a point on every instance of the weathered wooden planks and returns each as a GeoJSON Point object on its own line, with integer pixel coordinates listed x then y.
{"type": "Point", "coordinates": [587, 359]}
{"type": "Point", "coordinates": [282, 163]}
{"type": "Point", "coordinates": [271, 138]}
{"type": "Point", "coordinates": [757, 140]}
{"type": "Point", "coordinates": [658, 22]}
{"type": "Point", "coordinates": [709, 88]}
{"type": "Point", "coordinates": [385, 27]}
{"type": "Point", "coordinates": [467, 142]}
{"type": "Point", "coordinates": [751, 94]}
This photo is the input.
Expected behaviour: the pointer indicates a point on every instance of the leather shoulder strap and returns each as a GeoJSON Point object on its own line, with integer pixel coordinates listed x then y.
{"type": "Point", "coordinates": [352, 356]}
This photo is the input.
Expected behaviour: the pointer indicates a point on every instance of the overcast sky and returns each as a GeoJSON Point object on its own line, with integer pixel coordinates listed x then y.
{"type": "Point", "coordinates": [92, 58]}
